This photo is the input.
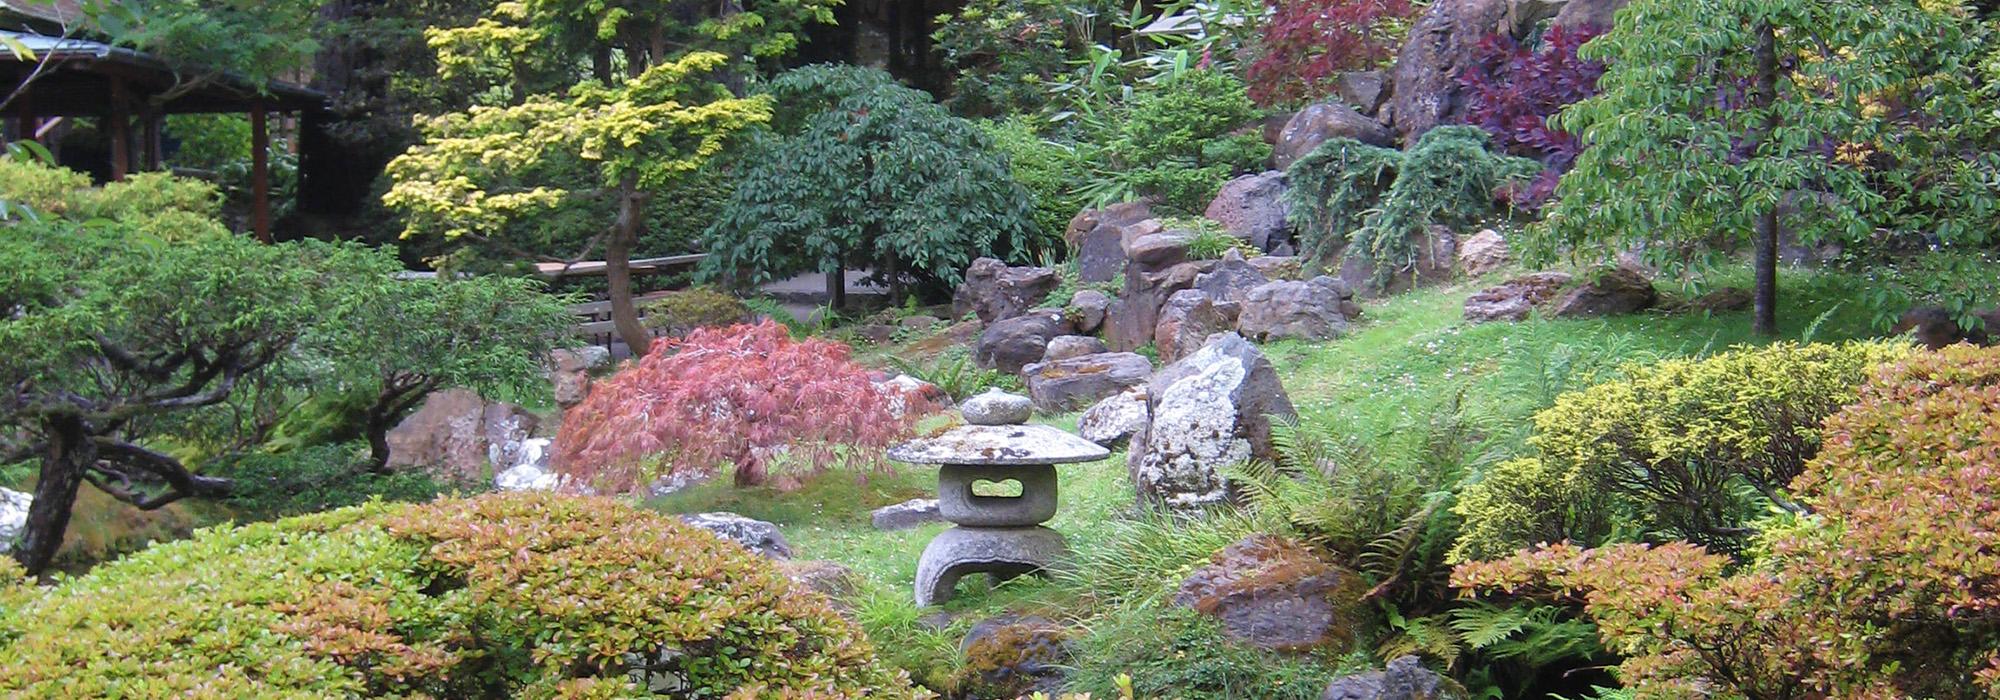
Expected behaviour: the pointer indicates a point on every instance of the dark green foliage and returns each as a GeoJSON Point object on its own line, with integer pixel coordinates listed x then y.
{"type": "Point", "coordinates": [698, 307]}
{"type": "Point", "coordinates": [1371, 202]}
{"type": "Point", "coordinates": [313, 479]}
{"type": "Point", "coordinates": [865, 172]}
{"type": "Point", "coordinates": [1052, 171]}
{"type": "Point", "coordinates": [1011, 53]}
{"type": "Point", "coordinates": [1178, 141]}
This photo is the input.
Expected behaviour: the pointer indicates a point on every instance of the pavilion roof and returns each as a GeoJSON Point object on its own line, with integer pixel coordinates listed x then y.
{"type": "Point", "coordinates": [84, 69]}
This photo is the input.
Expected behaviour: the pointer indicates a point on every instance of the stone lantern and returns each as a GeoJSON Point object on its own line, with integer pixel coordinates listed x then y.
{"type": "Point", "coordinates": [997, 535]}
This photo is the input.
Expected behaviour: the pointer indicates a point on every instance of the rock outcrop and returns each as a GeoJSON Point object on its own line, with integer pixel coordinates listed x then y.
{"type": "Point", "coordinates": [1515, 299]}
{"type": "Point", "coordinates": [1318, 309]}
{"type": "Point", "coordinates": [1252, 207]}
{"type": "Point", "coordinates": [1444, 43]}
{"type": "Point", "coordinates": [1076, 383]}
{"type": "Point", "coordinates": [1275, 593]}
{"type": "Point", "coordinates": [1020, 341]}
{"type": "Point", "coordinates": [996, 292]}
{"type": "Point", "coordinates": [457, 436]}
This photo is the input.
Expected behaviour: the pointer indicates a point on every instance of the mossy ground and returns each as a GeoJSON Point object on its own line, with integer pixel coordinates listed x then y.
{"type": "Point", "coordinates": [1408, 352]}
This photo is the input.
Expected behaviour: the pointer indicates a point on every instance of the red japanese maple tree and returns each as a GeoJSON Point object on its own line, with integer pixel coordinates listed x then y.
{"type": "Point", "coordinates": [744, 394]}
{"type": "Point", "coordinates": [1513, 90]}
{"type": "Point", "coordinates": [1307, 43]}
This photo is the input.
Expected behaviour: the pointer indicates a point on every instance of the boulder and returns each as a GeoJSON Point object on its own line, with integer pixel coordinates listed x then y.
{"type": "Point", "coordinates": [996, 292]}
{"type": "Point", "coordinates": [1073, 384]}
{"type": "Point", "coordinates": [1068, 346]}
{"type": "Point", "coordinates": [1012, 656]}
{"type": "Point", "coordinates": [1097, 238]}
{"type": "Point", "coordinates": [919, 322]}
{"type": "Point", "coordinates": [1252, 207]}
{"type": "Point", "coordinates": [996, 407]}
{"type": "Point", "coordinates": [1608, 292]}
{"type": "Point", "coordinates": [1595, 15]}
{"type": "Point", "coordinates": [1113, 421]}
{"type": "Point", "coordinates": [755, 535]}
{"type": "Point", "coordinates": [1404, 679]}
{"type": "Point", "coordinates": [1130, 320]}
{"type": "Point", "coordinates": [906, 515]}
{"type": "Point", "coordinates": [1364, 90]}
{"type": "Point", "coordinates": [1205, 412]}
{"type": "Point", "coordinates": [1936, 328]}
{"type": "Point", "coordinates": [1275, 593]}
{"type": "Point", "coordinates": [1513, 300]}
{"type": "Point", "coordinates": [13, 516]}
{"type": "Point", "coordinates": [1231, 279]}
{"type": "Point", "coordinates": [1484, 252]}
{"type": "Point", "coordinates": [459, 437]}
{"type": "Point", "coordinates": [1320, 123]}
{"type": "Point", "coordinates": [1443, 43]}
{"type": "Point", "coordinates": [570, 370]}
{"type": "Point", "coordinates": [910, 395]}
{"type": "Point", "coordinates": [1087, 310]}
{"type": "Point", "coordinates": [1159, 249]}
{"type": "Point", "coordinates": [1279, 267]}
{"type": "Point", "coordinates": [1189, 317]}
{"type": "Point", "coordinates": [1017, 342]}
{"type": "Point", "coordinates": [1724, 299]}
{"type": "Point", "coordinates": [1314, 310]}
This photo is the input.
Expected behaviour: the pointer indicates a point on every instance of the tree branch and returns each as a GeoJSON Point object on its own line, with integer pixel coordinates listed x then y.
{"type": "Point", "coordinates": [181, 483]}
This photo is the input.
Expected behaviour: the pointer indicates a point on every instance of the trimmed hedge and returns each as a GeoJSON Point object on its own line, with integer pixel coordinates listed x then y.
{"type": "Point", "coordinates": [498, 596]}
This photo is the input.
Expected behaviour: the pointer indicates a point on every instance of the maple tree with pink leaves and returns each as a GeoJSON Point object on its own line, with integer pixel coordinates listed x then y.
{"type": "Point", "coordinates": [747, 395]}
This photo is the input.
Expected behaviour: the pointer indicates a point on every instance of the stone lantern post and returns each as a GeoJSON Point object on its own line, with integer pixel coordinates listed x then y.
{"type": "Point", "coordinates": [997, 535]}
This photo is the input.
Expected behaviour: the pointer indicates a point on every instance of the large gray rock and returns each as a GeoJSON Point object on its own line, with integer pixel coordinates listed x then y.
{"type": "Point", "coordinates": [996, 407]}
{"type": "Point", "coordinates": [1252, 207]}
{"type": "Point", "coordinates": [1087, 310]}
{"type": "Point", "coordinates": [1017, 342]}
{"type": "Point", "coordinates": [456, 436]}
{"type": "Point", "coordinates": [1484, 252]}
{"type": "Point", "coordinates": [997, 292]}
{"type": "Point", "coordinates": [1318, 309]}
{"type": "Point", "coordinates": [1188, 319]}
{"type": "Point", "coordinates": [908, 514]}
{"type": "Point", "coordinates": [755, 535]}
{"type": "Point", "coordinates": [1097, 238]}
{"type": "Point", "coordinates": [1323, 122]}
{"type": "Point", "coordinates": [1075, 383]}
{"type": "Point", "coordinates": [1515, 299]}
{"type": "Point", "coordinates": [1596, 15]}
{"type": "Point", "coordinates": [909, 395]}
{"type": "Point", "coordinates": [1404, 679]}
{"type": "Point", "coordinates": [1002, 552]}
{"type": "Point", "coordinates": [1206, 412]}
{"type": "Point", "coordinates": [1231, 279]}
{"type": "Point", "coordinates": [1607, 292]}
{"type": "Point", "coordinates": [1442, 45]}
{"type": "Point", "coordinates": [1113, 421]}
{"type": "Point", "coordinates": [531, 472]}
{"type": "Point", "coordinates": [1159, 249]}
{"type": "Point", "coordinates": [1069, 346]}
{"type": "Point", "coordinates": [13, 516]}
{"type": "Point", "coordinates": [1275, 593]}
{"type": "Point", "coordinates": [1364, 90]}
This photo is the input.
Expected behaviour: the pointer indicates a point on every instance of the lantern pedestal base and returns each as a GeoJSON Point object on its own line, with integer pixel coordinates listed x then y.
{"type": "Point", "coordinates": [1004, 552]}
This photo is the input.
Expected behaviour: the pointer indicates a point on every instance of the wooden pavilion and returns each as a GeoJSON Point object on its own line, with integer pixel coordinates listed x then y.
{"type": "Point", "coordinates": [129, 92]}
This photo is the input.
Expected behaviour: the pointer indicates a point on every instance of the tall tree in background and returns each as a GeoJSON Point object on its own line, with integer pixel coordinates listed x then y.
{"type": "Point", "coordinates": [1723, 121]}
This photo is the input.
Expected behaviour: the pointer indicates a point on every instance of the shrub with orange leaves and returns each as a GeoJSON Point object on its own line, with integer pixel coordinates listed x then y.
{"type": "Point", "coordinates": [743, 395]}
{"type": "Point", "coordinates": [1889, 588]}
{"type": "Point", "coordinates": [525, 595]}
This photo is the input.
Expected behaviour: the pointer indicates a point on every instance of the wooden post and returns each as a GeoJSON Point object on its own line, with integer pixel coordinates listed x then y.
{"type": "Point", "coordinates": [150, 153]}
{"type": "Point", "coordinates": [120, 129]}
{"type": "Point", "coordinates": [260, 172]}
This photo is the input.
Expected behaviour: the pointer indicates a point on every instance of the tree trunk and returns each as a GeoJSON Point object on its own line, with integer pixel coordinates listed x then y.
{"type": "Point", "coordinates": [1765, 317]}
{"type": "Point", "coordinates": [750, 471]}
{"type": "Point", "coordinates": [618, 266]}
{"type": "Point", "coordinates": [836, 287]}
{"type": "Point", "coordinates": [378, 438]}
{"type": "Point", "coordinates": [69, 454]}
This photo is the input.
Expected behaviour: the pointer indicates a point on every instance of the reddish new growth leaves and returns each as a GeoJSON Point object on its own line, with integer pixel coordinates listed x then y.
{"type": "Point", "coordinates": [1307, 43]}
{"type": "Point", "coordinates": [1514, 89]}
{"type": "Point", "coordinates": [746, 395]}
{"type": "Point", "coordinates": [1890, 589]}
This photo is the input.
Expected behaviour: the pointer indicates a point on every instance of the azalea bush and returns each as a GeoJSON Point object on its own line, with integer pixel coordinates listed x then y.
{"type": "Point", "coordinates": [1683, 449]}
{"type": "Point", "coordinates": [499, 596]}
{"type": "Point", "coordinates": [1887, 589]}
{"type": "Point", "coordinates": [746, 395]}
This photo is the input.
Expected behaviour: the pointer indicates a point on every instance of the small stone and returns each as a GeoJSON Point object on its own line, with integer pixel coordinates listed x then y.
{"type": "Point", "coordinates": [1113, 421]}
{"type": "Point", "coordinates": [876, 333]}
{"type": "Point", "coordinates": [756, 535]}
{"type": "Point", "coordinates": [919, 322]}
{"type": "Point", "coordinates": [1724, 299]}
{"type": "Point", "coordinates": [996, 407]}
{"type": "Point", "coordinates": [1159, 249]}
{"type": "Point", "coordinates": [1484, 252]}
{"type": "Point", "coordinates": [1404, 679]}
{"type": "Point", "coordinates": [915, 512]}
{"type": "Point", "coordinates": [1012, 656]}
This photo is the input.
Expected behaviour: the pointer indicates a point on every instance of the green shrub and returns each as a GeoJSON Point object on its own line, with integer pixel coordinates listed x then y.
{"type": "Point", "coordinates": [140, 194]}
{"type": "Point", "coordinates": [1371, 202]}
{"type": "Point", "coordinates": [1885, 591]}
{"type": "Point", "coordinates": [698, 307]}
{"type": "Point", "coordinates": [174, 208]}
{"type": "Point", "coordinates": [1683, 449]}
{"type": "Point", "coordinates": [1180, 140]}
{"type": "Point", "coordinates": [499, 596]}
{"type": "Point", "coordinates": [1052, 173]}
{"type": "Point", "coordinates": [43, 189]}
{"type": "Point", "coordinates": [314, 479]}
{"type": "Point", "coordinates": [1211, 241]}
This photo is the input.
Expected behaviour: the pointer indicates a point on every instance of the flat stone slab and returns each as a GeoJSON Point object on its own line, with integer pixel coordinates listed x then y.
{"type": "Point", "coordinates": [999, 445]}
